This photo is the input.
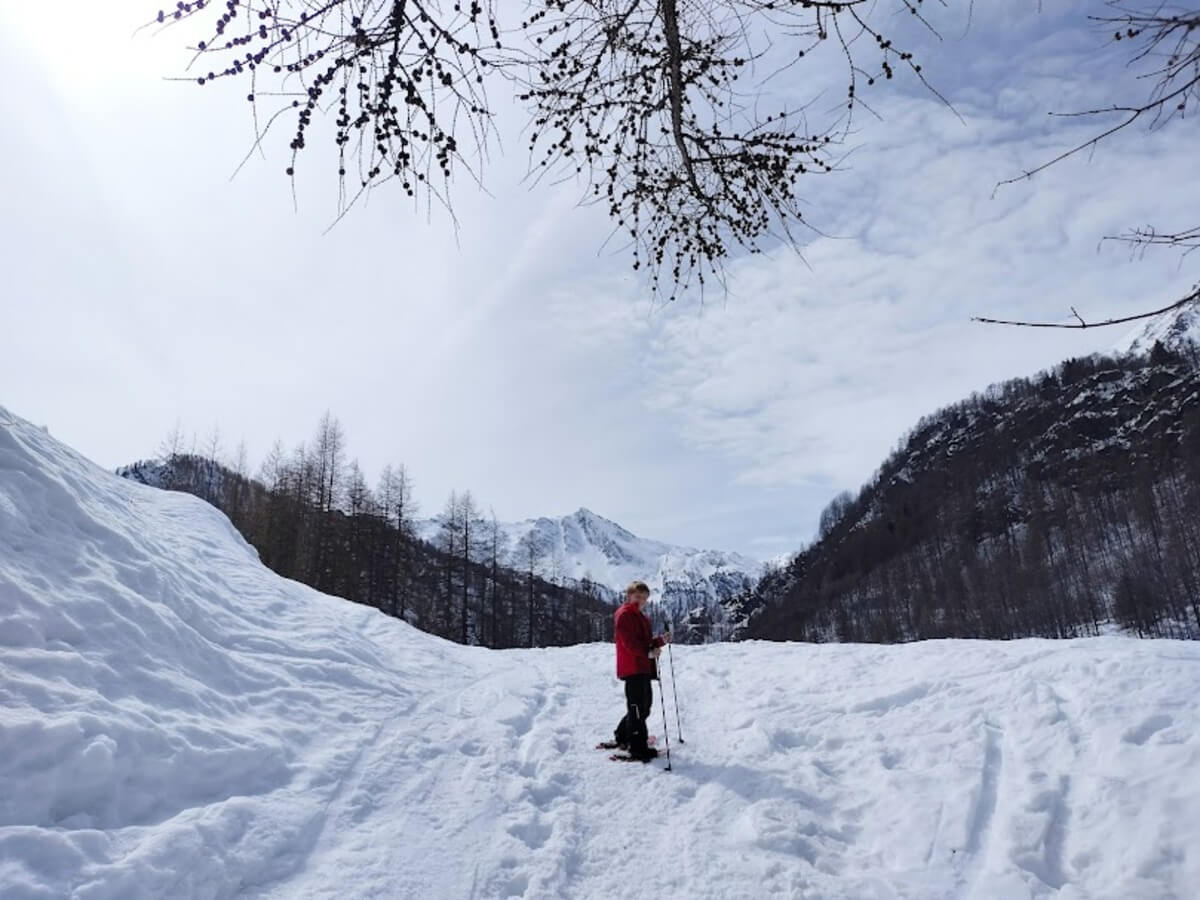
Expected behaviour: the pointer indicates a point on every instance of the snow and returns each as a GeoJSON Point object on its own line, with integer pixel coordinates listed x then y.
{"type": "Point", "coordinates": [1174, 329]}
{"type": "Point", "coordinates": [177, 721]}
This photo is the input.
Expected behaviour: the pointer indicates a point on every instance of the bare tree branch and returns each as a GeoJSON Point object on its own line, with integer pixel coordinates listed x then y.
{"type": "Point", "coordinates": [1190, 298]}
{"type": "Point", "coordinates": [1169, 37]}
{"type": "Point", "coordinates": [660, 106]}
{"type": "Point", "coordinates": [400, 78]}
{"type": "Point", "coordinates": [1163, 33]}
{"type": "Point", "coordinates": [1147, 236]}
{"type": "Point", "coordinates": [657, 105]}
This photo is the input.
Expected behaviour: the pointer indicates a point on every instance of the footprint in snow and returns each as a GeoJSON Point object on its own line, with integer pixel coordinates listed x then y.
{"type": "Point", "coordinates": [824, 768]}
{"type": "Point", "coordinates": [533, 833]}
{"type": "Point", "coordinates": [789, 740]}
{"type": "Point", "coordinates": [543, 795]}
{"type": "Point", "coordinates": [887, 702]}
{"type": "Point", "coordinates": [426, 750]}
{"type": "Point", "coordinates": [517, 886]}
{"type": "Point", "coordinates": [889, 759]}
{"type": "Point", "coordinates": [1147, 729]}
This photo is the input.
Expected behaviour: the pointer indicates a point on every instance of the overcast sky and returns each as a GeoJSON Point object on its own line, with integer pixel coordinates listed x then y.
{"type": "Point", "coordinates": [517, 358]}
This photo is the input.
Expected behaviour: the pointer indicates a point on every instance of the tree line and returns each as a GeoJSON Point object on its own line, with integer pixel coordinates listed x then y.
{"type": "Point", "coordinates": [313, 517]}
{"type": "Point", "coordinates": [1055, 506]}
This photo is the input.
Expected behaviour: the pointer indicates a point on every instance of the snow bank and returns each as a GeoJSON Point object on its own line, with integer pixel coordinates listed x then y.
{"type": "Point", "coordinates": [176, 721]}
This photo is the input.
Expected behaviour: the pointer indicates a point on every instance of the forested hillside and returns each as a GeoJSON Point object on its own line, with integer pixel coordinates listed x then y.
{"type": "Point", "coordinates": [1048, 506]}
{"type": "Point", "coordinates": [314, 519]}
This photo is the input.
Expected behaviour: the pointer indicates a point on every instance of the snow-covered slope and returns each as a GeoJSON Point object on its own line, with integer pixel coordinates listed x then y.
{"type": "Point", "coordinates": [584, 545]}
{"type": "Point", "coordinates": [177, 721]}
{"type": "Point", "coordinates": [1173, 329]}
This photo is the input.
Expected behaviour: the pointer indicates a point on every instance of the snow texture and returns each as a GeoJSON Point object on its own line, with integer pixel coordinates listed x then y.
{"type": "Point", "coordinates": [177, 721]}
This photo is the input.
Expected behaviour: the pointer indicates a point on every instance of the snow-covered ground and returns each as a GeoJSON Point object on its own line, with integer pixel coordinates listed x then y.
{"type": "Point", "coordinates": [177, 721]}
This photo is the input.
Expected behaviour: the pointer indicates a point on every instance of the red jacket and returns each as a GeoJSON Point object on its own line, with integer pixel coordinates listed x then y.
{"type": "Point", "coordinates": [634, 640]}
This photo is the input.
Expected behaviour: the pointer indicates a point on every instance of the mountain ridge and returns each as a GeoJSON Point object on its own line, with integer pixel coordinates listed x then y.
{"type": "Point", "coordinates": [1048, 506]}
{"type": "Point", "coordinates": [690, 586]}
{"type": "Point", "coordinates": [582, 551]}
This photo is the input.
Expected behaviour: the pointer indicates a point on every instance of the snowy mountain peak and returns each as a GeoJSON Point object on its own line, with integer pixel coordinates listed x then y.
{"type": "Point", "coordinates": [587, 546]}
{"type": "Point", "coordinates": [1174, 329]}
{"type": "Point", "coordinates": [593, 524]}
{"type": "Point", "coordinates": [584, 514]}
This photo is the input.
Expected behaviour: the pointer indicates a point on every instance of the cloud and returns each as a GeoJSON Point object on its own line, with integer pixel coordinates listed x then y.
{"type": "Point", "coordinates": [518, 356]}
{"type": "Point", "coordinates": [811, 370]}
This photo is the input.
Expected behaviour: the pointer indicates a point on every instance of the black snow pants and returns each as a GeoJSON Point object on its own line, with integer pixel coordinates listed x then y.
{"type": "Point", "coordinates": [632, 731]}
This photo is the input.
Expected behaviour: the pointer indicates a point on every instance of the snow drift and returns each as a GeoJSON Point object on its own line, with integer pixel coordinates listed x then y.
{"type": "Point", "coordinates": [177, 721]}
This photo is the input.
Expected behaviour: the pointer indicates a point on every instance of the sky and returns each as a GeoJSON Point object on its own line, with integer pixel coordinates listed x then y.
{"type": "Point", "coordinates": [510, 352]}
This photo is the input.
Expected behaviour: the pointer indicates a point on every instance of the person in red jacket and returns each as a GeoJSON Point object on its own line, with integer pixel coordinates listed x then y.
{"type": "Point", "coordinates": [637, 653]}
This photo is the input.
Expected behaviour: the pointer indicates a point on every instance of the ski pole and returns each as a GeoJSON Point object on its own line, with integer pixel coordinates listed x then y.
{"type": "Point", "coordinates": [662, 701]}
{"type": "Point", "coordinates": [671, 659]}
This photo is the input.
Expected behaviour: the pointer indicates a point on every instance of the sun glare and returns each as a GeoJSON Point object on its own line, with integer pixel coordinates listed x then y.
{"type": "Point", "coordinates": [95, 46]}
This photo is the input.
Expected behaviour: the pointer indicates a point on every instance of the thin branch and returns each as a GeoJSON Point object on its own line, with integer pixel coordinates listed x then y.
{"type": "Point", "coordinates": [1190, 298]}
{"type": "Point", "coordinates": [1177, 82]}
{"type": "Point", "coordinates": [1148, 236]}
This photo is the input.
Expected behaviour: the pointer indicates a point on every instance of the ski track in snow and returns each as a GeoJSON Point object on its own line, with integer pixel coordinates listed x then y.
{"type": "Point", "coordinates": [176, 721]}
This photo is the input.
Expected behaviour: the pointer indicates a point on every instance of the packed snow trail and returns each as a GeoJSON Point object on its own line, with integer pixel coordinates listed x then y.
{"type": "Point", "coordinates": [177, 721]}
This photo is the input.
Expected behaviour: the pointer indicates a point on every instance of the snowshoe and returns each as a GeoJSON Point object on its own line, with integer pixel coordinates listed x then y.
{"type": "Point", "coordinates": [620, 745]}
{"type": "Point", "coordinates": [650, 754]}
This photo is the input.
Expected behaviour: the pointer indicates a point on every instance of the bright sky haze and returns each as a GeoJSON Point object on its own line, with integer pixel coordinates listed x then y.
{"type": "Point", "coordinates": [515, 354]}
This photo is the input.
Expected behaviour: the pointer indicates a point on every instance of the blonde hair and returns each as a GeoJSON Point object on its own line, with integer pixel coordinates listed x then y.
{"type": "Point", "coordinates": [637, 587]}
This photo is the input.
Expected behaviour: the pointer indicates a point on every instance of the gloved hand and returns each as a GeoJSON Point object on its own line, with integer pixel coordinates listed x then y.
{"type": "Point", "coordinates": [665, 637]}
